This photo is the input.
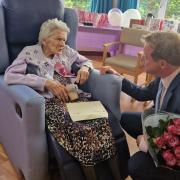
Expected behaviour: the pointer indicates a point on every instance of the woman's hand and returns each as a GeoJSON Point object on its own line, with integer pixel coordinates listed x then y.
{"type": "Point", "coordinates": [57, 89]}
{"type": "Point", "coordinates": [82, 75]}
{"type": "Point", "coordinates": [108, 70]}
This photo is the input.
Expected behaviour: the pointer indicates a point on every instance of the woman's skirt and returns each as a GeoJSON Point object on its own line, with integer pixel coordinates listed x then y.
{"type": "Point", "coordinates": [89, 141]}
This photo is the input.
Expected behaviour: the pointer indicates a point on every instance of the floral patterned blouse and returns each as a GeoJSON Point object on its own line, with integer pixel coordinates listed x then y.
{"type": "Point", "coordinates": [16, 73]}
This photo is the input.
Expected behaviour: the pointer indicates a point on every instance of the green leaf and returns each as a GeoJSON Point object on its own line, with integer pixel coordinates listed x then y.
{"type": "Point", "coordinates": [156, 150]}
{"type": "Point", "coordinates": [149, 131]}
{"type": "Point", "coordinates": [156, 132]}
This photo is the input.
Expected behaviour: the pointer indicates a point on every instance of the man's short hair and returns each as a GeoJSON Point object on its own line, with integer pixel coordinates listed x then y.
{"type": "Point", "coordinates": [48, 26]}
{"type": "Point", "coordinates": [165, 45]}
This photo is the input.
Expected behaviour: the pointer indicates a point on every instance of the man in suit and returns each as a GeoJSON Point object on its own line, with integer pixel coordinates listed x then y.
{"type": "Point", "coordinates": [161, 55]}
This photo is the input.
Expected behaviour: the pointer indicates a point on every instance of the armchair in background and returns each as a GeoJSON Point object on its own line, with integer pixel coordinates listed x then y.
{"type": "Point", "coordinates": [22, 110]}
{"type": "Point", "coordinates": [125, 63]}
{"type": "Point", "coordinates": [149, 77]}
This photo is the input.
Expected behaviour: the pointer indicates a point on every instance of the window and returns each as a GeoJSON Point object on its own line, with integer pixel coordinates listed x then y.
{"type": "Point", "coordinates": [147, 6]}
{"type": "Point", "coordinates": [172, 8]}
{"type": "Point", "coordinates": [80, 4]}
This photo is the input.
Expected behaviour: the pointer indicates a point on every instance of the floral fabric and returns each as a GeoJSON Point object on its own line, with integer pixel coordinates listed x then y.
{"type": "Point", "coordinates": [88, 141]}
{"type": "Point", "coordinates": [34, 55]}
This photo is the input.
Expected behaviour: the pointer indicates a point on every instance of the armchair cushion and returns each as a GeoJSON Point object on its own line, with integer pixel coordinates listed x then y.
{"type": "Point", "coordinates": [23, 21]}
{"type": "Point", "coordinates": [106, 88]}
{"type": "Point", "coordinates": [125, 61]}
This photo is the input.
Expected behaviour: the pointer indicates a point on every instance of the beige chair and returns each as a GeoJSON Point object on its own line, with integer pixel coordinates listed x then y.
{"type": "Point", "coordinates": [149, 77]}
{"type": "Point", "coordinates": [123, 63]}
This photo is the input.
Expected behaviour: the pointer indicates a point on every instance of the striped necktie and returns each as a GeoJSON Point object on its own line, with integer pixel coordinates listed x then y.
{"type": "Point", "coordinates": [158, 97]}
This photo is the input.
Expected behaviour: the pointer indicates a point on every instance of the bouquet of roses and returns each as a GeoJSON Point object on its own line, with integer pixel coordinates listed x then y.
{"type": "Point", "coordinates": [162, 134]}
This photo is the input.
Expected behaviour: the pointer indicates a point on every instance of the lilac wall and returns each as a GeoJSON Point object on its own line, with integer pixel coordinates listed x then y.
{"type": "Point", "coordinates": [92, 39]}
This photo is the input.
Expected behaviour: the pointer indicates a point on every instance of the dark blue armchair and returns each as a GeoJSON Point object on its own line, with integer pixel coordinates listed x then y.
{"type": "Point", "coordinates": [22, 115]}
{"type": "Point", "coordinates": [22, 110]}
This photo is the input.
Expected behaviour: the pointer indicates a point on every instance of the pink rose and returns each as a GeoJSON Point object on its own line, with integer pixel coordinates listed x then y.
{"type": "Point", "coordinates": [178, 163]}
{"type": "Point", "coordinates": [173, 141]}
{"type": "Point", "coordinates": [160, 142]}
{"type": "Point", "coordinates": [177, 131]}
{"type": "Point", "coordinates": [177, 152]}
{"type": "Point", "coordinates": [176, 122]}
{"type": "Point", "coordinates": [172, 129]}
{"type": "Point", "coordinates": [169, 158]}
{"type": "Point", "coordinates": [166, 136]}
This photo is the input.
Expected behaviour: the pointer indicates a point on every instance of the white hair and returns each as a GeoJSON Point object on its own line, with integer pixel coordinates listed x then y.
{"type": "Point", "coordinates": [48, 26]}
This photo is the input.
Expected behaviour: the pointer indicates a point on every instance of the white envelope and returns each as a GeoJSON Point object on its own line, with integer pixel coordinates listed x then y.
{"type": "Point", "coordinates": [86, 110]}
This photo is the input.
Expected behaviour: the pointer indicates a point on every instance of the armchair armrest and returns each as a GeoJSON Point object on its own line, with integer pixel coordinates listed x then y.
{"type": "Point", "coordinates": [107, 89]}
{"type": "Point", "coordinates": [22, 129]}
{"type": "Point", "coordinates": [140, 62]}
{"type": "Point", "coordinates": [112, 43]}
{"type": "Point", "coordinates": [106, 48]}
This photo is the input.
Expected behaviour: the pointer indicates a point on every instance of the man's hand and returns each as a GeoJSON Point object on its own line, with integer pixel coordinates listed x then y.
{"type": "Point", "coordinates": [108, 70]}
{"type": "Point", "coordinates": [57, 89]}
{"type": "Point", "coordinates": [141, 143]}
{"type": "Point", "coordinates": [82, 75]}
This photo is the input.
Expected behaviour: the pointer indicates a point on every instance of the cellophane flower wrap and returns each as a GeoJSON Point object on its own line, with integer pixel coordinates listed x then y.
{"type": "Point", "coordinates": [162, 134]}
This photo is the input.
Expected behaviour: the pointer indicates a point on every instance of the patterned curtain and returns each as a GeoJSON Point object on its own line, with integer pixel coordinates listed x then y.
{"type": "Point", "coordinates": [123, 5]}
{"type": "Point", "coordinates": [101, 6]}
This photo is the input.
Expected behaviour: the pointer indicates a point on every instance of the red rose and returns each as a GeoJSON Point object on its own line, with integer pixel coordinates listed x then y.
{"type": "Point", "coordinates": [177, 152]}
{"type": "Point", "coordinates": [160, 142]}
{"type": "Point", "coordinates": [173, 141]}
{"type": "Point", "coordinates": [169, 158]}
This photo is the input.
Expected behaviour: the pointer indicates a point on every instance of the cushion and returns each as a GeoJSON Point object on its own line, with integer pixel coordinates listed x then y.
{"type": "Point", "coordinates": [124, 61]}
{"type": "Point", "coordinates": [24, 18]}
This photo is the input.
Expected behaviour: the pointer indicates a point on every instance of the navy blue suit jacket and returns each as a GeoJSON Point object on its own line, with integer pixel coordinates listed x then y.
{"type": "Point", "coordinates": [171, 101]}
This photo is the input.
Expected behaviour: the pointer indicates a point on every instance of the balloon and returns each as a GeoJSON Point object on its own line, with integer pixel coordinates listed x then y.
{"type": "Point", "coordinates": [115, 17]}
{"type": "Point", "coordinates": [128, 15]}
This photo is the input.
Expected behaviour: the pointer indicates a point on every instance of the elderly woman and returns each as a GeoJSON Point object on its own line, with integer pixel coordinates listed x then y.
{"type": "Point", "coordinates": [48, 55]}
{"type": "Point", "coordinates": [47, 68]}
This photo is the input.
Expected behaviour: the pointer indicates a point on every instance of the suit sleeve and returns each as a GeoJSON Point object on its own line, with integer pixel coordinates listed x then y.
{"type": "Point", "coordinates": [141, 93]}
